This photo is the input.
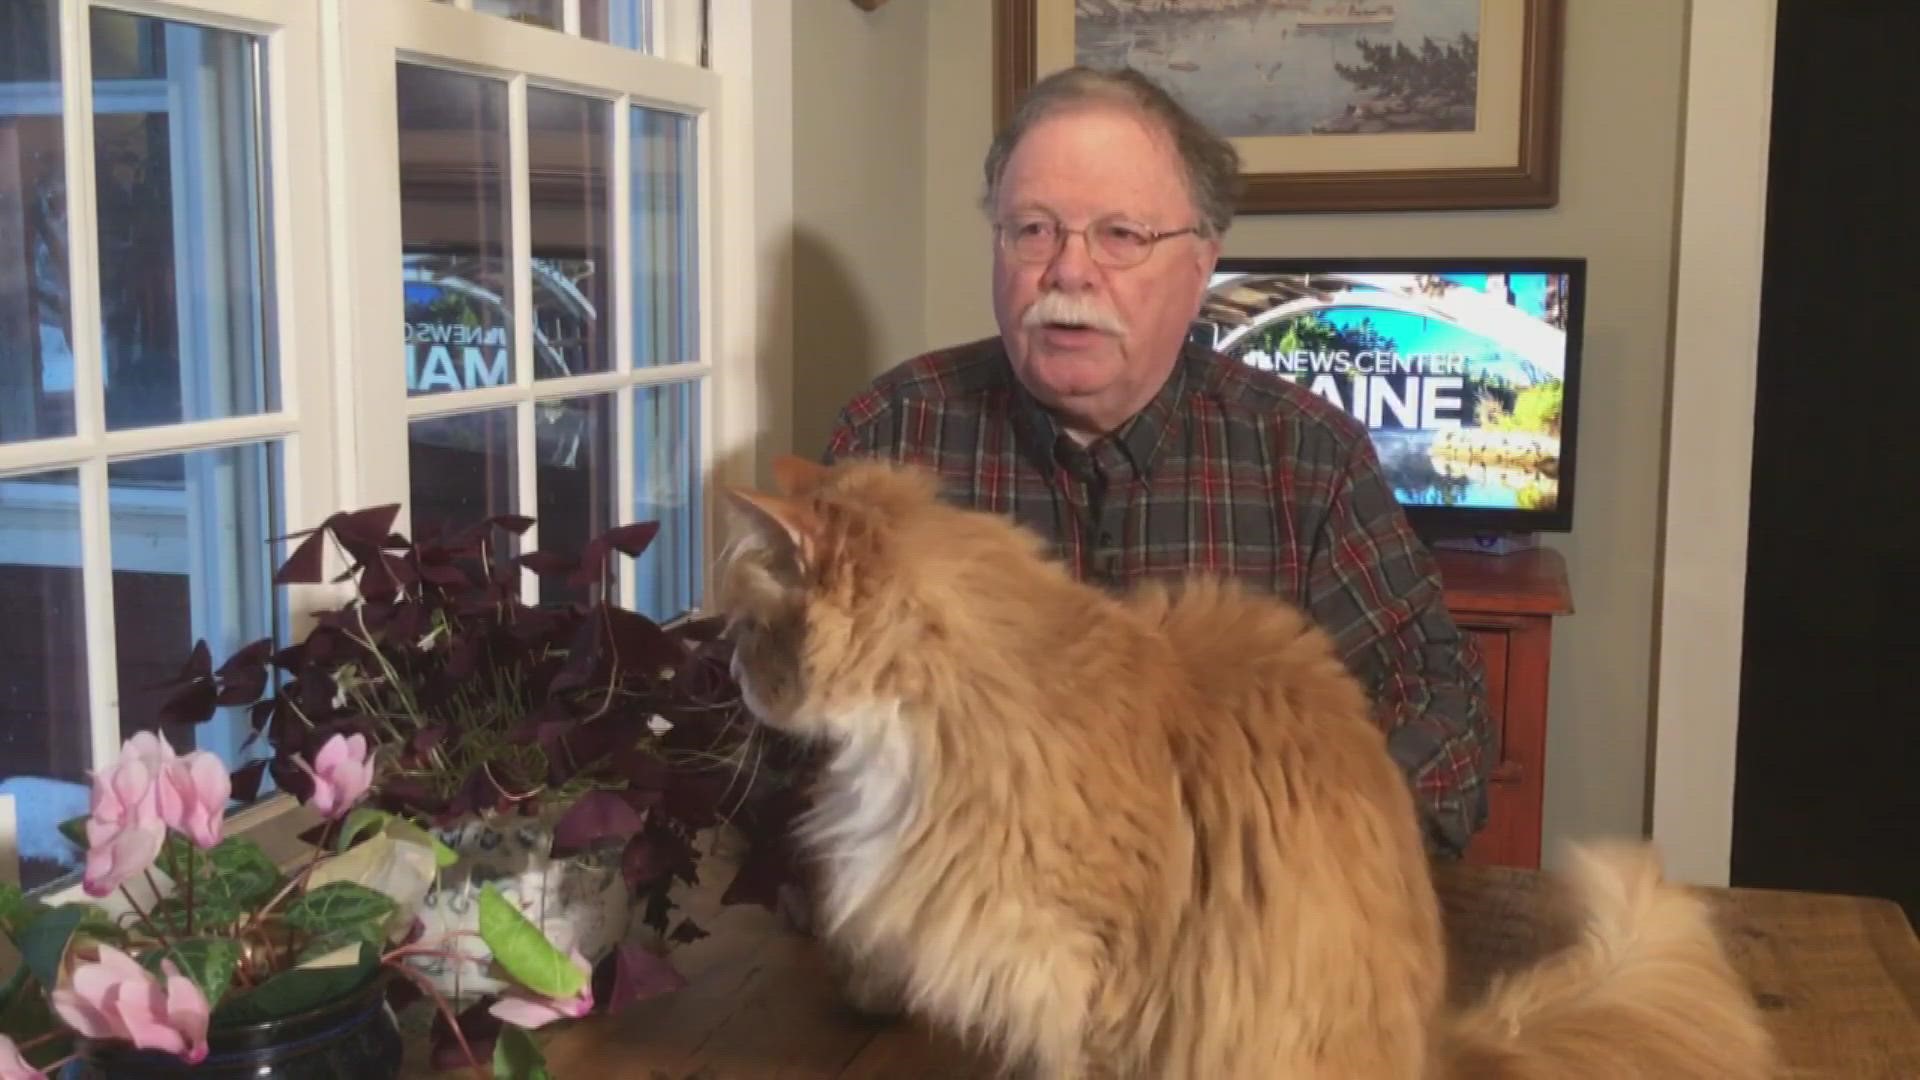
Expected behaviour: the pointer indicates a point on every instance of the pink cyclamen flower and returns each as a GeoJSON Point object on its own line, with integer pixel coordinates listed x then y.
{"type": "Point", "coordinates": [124, 826]}
{"type": "Point", "coordinates": [115, 998]}
{"type": "Point", "coordinates": [193, 797]}
{"type": "Point", "coordinates": [15, 1067]}
{"type": "Point", "coordinates": [524, 1009]}
{"type": "Point", "coordinates": [342, 772]}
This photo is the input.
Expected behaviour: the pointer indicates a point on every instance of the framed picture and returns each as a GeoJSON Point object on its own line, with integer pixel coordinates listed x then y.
{"type": "Point", "coordinates": [1333, 104]}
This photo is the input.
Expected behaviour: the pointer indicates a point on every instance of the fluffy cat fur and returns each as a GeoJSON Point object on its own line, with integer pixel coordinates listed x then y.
{"type": "Point", "coordinates": [1156, 836]}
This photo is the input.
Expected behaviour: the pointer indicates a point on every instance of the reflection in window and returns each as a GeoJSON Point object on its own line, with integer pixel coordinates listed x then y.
{"type": "Point", "coordinates": [666, 267]}
{"type": "Point", "coordinates": [627, 23]}
{"type": "Point", "coordinates": [532, 12]}
{"type": "Point", "coordinates": [570, 152]}
{"type": "Point", "coordinates": [36, 353]}
{"type": "Point", "coordinates": [180, 177]}
{"type": "Point", "coordinates": [667, 490]}
{"type": "Point", "coordinates": [455, 229]}
{"type": "Point", "coordinates": [573, 439]}
{"type": "Point", "coordinates": [45, 738]}
{"type": "Point", "coordinates": [461, 470]}
{"type": "Point", "coordinates": [193, 558]}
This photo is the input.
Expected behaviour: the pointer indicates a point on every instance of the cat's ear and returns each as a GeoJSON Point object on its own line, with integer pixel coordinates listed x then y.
{"type": "Point", "coordinates": [786, 524]}
{"type": "Point", "coordinates": [797, 475]}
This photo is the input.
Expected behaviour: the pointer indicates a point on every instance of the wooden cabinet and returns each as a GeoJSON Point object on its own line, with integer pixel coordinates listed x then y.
{"type": "Point", "coordinates": [1508, 603]}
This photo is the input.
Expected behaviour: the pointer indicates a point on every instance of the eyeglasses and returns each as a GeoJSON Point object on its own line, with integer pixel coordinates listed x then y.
{"type": "Point", "coordinates": [1112, 241]}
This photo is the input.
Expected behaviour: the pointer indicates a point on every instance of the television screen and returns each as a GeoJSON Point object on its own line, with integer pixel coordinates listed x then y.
{"type": "Point", "coordinates": [1464, 372]}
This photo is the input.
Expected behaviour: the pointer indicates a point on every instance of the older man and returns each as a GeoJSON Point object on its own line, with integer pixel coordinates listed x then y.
{"type": "Point", "coordinates": [1091, 419]}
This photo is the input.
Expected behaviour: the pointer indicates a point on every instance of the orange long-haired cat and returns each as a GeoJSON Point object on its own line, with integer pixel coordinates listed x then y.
{"type": "Point", "coordinates": [1156, 837]}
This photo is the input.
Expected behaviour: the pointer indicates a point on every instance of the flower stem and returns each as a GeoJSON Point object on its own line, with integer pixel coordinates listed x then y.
{"type": "Point", "coordinates": [446, 1010]}
{"type": "Point", "coordinates": [189, 890]}
{"type": "Point", "coordinates": [142, 912]}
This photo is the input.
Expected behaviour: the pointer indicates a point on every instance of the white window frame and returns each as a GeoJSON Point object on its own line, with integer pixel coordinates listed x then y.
{"type": "Point", "coordinates": [373, 39]}
{"type": "Point", "coordinates": [290, 125]}
{"type": "Point", "coordinates": [336, 240]}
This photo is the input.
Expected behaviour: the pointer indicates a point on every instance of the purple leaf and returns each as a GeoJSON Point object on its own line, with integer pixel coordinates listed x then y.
{"type": "Point", "coordinates": [253, 656]}
{"type": "Point", "coordinates": [638, 643]}
{"type": "Point", "coordinates": [630, 539]}
{"type": "Point", "coordinates": [246, 780]}
{"type": "Point", "coordinates": [364, 528]}
{"type": "Point", "coordinates": [479, 1026]}
{"type": "Point", "coordinates": [306, 564]}
{"type": "Point", "coordinates": [595, 816]}
{"type": "Point", "coordinates": [632, 973]}
{"type": "Point", "coordinates": [262, 713]}
{"type": "Point", "coordinates": [547, 563]}
{"type": "Point", "coordinates": [646, 860]}
{"type": "Point", "coordinates": [243, 687]}
{"type": "Point", "coordinates": [191, 704]}
{"type": "Point", "coordinates": [591, 742]}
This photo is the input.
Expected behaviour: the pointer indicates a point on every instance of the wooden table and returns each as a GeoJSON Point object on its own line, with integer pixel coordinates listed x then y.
{"type": "Point", "coordinates": [1838, 978]}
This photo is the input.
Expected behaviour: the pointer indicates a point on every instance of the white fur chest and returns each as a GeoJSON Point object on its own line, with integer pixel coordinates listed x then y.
{"type": "Point", "coordinates": [868, 801]}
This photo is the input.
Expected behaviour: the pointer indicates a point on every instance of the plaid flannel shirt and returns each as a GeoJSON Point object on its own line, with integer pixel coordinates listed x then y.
{"type": "Point", "coordinates": [1227, 470]}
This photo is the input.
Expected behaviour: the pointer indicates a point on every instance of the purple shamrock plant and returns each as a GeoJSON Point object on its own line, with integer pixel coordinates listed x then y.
{"type": "Point", "coordinates": [477, 706]}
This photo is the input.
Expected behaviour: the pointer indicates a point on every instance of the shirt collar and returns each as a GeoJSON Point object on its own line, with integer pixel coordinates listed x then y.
{"type": "Point", "coordinates": [1127, 452]}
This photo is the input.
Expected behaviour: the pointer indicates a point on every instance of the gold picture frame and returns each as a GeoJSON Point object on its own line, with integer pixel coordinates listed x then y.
{"type": "Point", "coordinates": [1509, 159]}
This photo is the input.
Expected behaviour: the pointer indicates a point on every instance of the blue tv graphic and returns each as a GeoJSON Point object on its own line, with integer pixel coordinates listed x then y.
{"type": "Point", "coordinates": [1459, 378]}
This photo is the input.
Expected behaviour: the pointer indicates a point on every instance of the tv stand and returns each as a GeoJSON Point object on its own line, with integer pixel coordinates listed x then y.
{"type": "Point", "coordinates": [1507, 605]}
{"type": "Point", "coordinates": [1500, 543]}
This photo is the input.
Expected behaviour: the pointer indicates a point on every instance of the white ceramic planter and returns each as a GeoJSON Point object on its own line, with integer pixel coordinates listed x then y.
{"type": "Point", "coordinates": [579, 901]}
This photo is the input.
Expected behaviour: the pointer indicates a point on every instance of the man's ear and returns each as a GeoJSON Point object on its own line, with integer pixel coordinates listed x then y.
{"type": "Point", "coordinates": [785, 524]}
{"type": "Point", "coordinates": [797, 475]}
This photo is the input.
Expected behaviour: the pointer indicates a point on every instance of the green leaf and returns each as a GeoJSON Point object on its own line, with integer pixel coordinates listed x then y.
{"type": "Point", "coordinates": [517, 1057]}
{"type": "Point", "coordinates": [209, 962]}
{"type": "Point", "coordinates": [211, 911]}
{"type": "Point", "coordinates": [17, 909]}
{"type": "Point", "coordinates": [238, 872]}
{"type": "Point", "coordinates": [337, 906]}
{"type": "Point", "coordinates": [524, 951]}
{"type": "Point", "coordinates": [75, 829]}
{"type": "Point", "coordinates": [362, 819]}
{"type": "Point", "coordinates": [297, 989]}
{"type": "Point", "coordinates": [43, 942]}
{"type": "Point", "coordinates": [407, 832]}
{"type": "Point", "coordinates": [25, 1016]}
{"type": "Point", "coordinates": [371, 933]}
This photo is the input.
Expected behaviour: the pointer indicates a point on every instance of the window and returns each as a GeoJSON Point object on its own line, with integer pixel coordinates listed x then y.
{"type": "Point", "coordinates": [155, 424]}
{"type": "Point", "coordinates": [204, 254]}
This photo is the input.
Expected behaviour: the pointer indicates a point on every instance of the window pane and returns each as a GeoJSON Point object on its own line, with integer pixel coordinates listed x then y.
{"type": "Point", "coordinates": [180, 172]}
{"type": "Point", "coordinates": [667, 490]}
{"type": "Point", "coordinates": [454, 223]}
{"type": "Point", "coordinates": [533, 12]}
{"type": "Point", "coordinates": [44, 739]}
{"type": "Point", "coordinates": [574, 443]}
{"type": "Point", "coordinates": [628, 23]}
{"type": "Point", "coordinates": [462, 470]}
{"type": "Point", "coordinates": [569, 152]}
{"type": "Point", "coordinates": [36, 358]}
{"type": "Point", "coordinates": [665, 239]}
{"type": "Point", "coordinates": [193, 558]}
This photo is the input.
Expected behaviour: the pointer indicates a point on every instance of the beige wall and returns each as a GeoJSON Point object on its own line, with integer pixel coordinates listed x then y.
{"type": "Point", "coordinates": [1621, 134]}
{"type": "Point", "coordinates": [859, 198]}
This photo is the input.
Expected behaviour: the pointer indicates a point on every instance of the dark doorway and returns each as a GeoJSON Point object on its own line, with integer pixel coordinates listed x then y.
{"type": "Point", "coordinates": [1828, 787]}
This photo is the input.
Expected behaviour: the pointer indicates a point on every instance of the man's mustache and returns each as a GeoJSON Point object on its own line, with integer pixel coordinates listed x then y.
{"type": "Point", "coordinates": [1058, 308]}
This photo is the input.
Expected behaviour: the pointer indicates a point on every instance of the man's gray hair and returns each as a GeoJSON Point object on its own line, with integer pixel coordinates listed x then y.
{"type": "Point", "coordinates": [1212, 164]}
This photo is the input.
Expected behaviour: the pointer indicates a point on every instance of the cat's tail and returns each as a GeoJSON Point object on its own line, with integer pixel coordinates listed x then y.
{"type": "Point", "coordinates": [1647, 992]}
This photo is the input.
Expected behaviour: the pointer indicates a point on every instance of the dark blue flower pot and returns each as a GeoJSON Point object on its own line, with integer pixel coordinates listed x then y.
{"type": "Point", "coordinates": [352, 1036]}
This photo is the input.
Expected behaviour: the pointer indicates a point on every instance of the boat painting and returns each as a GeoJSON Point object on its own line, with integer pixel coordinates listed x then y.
{"type": "Point", "coordinates": [1256, 68]}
